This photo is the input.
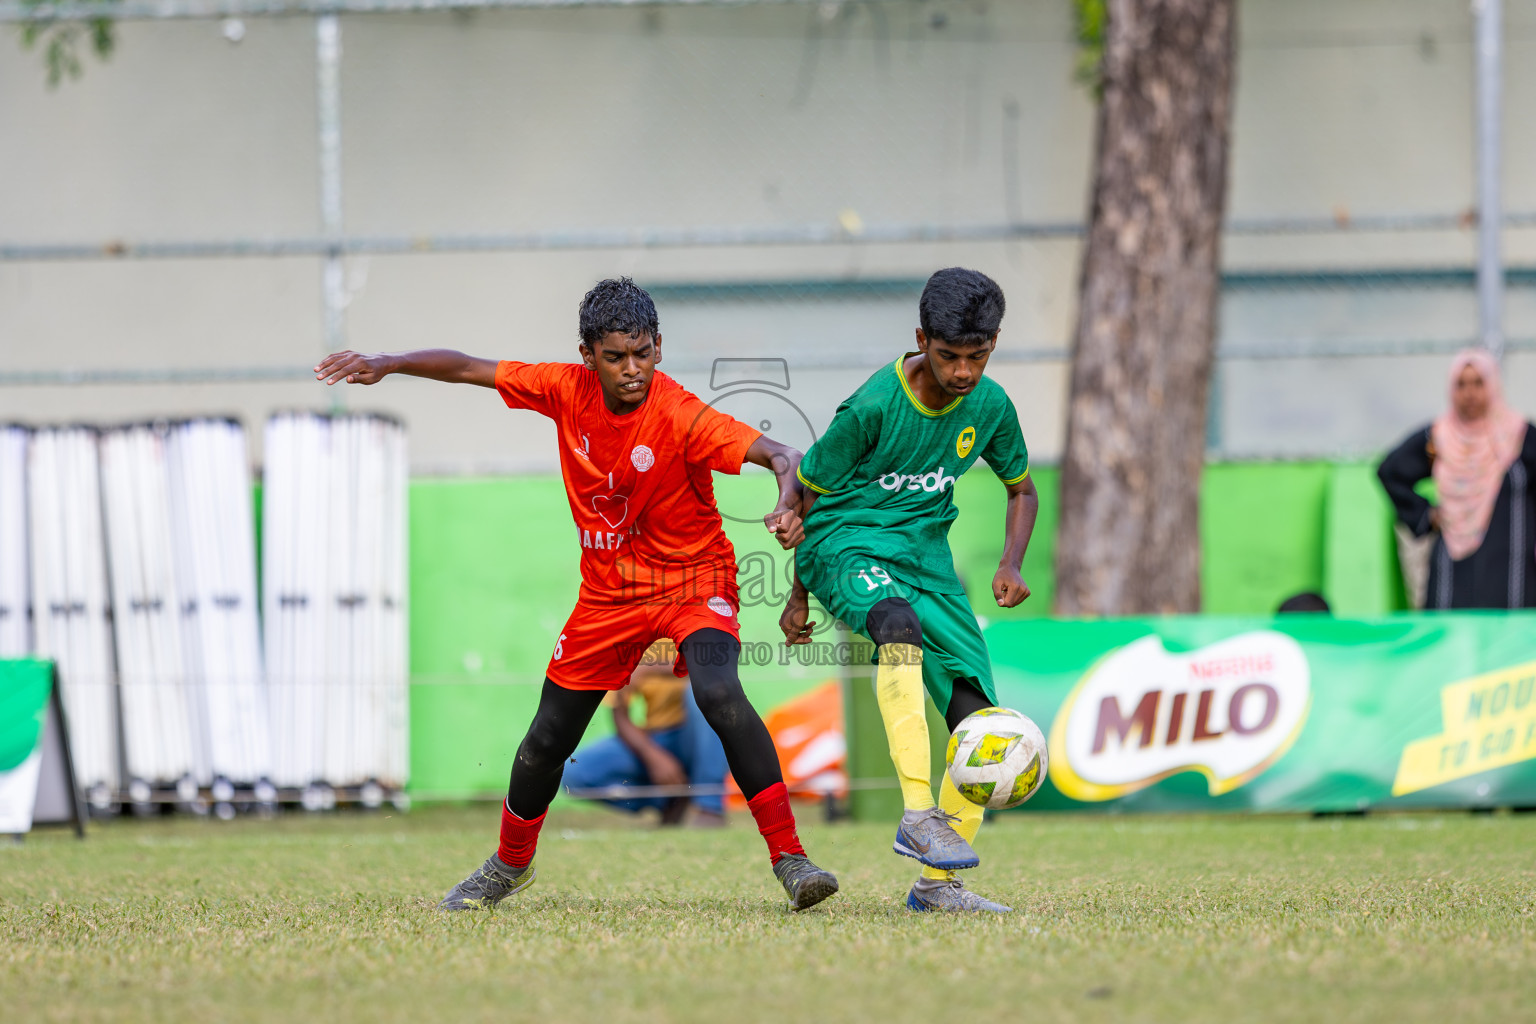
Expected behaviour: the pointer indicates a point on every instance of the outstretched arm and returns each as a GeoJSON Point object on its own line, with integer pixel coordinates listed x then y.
{"type": "Point", "coordinates": [1008, 587]}
{"type": "Point", "coordinates": [433, 363]}
{"type": "Point", "coordinates": [784, 520]}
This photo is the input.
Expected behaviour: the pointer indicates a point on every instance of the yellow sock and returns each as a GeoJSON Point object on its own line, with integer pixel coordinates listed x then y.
{"type": "Point", "coordinates": [899, 692]}
{"type": "Point", "coordinates": [969, 824]}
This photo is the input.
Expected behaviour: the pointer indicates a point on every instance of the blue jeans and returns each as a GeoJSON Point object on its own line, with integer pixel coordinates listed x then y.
{"type": "Point", "coordinates": [608, 762]}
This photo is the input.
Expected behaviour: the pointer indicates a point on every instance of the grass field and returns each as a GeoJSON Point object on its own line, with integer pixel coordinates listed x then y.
{"type": "Point", "coordinates": [1390, 918]}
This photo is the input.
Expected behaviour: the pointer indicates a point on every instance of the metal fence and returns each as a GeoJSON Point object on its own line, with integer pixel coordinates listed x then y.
{"type": "Point", "coordinates": [775, 175]}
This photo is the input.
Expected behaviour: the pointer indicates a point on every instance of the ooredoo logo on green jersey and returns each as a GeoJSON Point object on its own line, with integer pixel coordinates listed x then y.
{"type": "Point", "coordinates": [934, 481]}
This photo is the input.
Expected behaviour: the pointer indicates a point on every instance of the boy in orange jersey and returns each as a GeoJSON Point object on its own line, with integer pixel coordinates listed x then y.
{"type": "Point", "coordinates": [637, 452]}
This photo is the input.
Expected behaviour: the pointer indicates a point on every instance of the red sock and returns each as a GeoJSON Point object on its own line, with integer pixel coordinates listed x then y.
{"type": "Point", "coordinates": [776, 822]}
{"type": "Point", "coordinates": [519, 838]}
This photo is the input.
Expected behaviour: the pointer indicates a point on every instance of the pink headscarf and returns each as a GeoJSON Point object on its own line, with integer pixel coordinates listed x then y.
{"type": "Point", "coordinates": [1472, 456]}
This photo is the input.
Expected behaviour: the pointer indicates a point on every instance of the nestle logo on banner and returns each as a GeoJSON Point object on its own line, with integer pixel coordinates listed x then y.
{"type": "Point", "coordinates": [1228, 710]}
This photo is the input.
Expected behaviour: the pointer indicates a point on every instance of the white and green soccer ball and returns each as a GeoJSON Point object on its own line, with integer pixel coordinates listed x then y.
{"type": "Point", "coordinates": [996, 758]}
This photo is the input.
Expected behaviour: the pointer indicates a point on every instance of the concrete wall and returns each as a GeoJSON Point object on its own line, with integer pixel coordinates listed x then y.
{"type": "Point", "coordinates": [944, 112]}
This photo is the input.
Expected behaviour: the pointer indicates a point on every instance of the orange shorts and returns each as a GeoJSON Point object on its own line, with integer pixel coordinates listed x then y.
{"type": "Point", "coordinates": [602, 644]}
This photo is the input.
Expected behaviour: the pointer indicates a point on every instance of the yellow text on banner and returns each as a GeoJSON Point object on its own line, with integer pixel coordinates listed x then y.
{"type": "Point", "coordinates": [1490, 722]}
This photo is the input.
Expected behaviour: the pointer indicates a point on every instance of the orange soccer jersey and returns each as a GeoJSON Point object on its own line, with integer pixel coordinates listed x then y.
{"type": "Point", "coordinates": [639, 485]}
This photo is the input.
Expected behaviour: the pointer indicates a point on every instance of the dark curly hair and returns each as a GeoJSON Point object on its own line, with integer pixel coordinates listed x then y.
{"type": "Point", "coordinates": [617, 304]}
{"type": "Point", "coordinates": [964, 307]}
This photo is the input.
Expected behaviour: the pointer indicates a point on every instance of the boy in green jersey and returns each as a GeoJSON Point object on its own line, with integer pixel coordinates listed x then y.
{"type": "Point", "coordinates": [878, 501]}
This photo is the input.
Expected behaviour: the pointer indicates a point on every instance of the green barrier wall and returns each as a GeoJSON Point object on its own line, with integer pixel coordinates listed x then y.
{"type": "Point", "coordinates": [1261, 534]}
{"type": "Point", "coordinates": [1360, 570]}
{"type": "Point", "coordinates": [494, 573]}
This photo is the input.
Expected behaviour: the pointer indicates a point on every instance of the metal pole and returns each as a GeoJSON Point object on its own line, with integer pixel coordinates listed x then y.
{"type": "Point", "coordinates": [50, 11]}
{"type": "Point", "coordinates": [333, 296]}
{"type": "Point", "coordinates": [1490, 266]}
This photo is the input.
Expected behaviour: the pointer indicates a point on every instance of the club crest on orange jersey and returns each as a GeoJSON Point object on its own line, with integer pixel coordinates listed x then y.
{"type": "Point", "coordinates": [965, 442]}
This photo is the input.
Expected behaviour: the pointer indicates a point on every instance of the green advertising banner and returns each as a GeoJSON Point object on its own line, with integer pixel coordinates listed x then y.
{"type": "Point", "coordinates": [25, 687]}
{"type": "Point", "coordinates": [1290, 713]}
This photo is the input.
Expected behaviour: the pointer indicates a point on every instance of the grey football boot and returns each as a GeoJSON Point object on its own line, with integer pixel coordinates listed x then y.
{"type": "Point", "coordinates": [930, 837]}
{"type": "Point", "coordinates": [804, 883]}
{"type": "Point", "coordinates": [490, 883]}
{"type": "Point", "coordinates": [949, 894]}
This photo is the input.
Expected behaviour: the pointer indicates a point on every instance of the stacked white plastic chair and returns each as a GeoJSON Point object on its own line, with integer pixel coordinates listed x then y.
{"type": "Point", "coordinates": [295, 526]}
{"type": "Point", "coordinates": [15, 588]}
{"type": "Point", "coordinates": [160, 719]}
{"type": "Point", "coordinates": [182, 551]}
{"type": "Point", "coordinates": [334, 591]}
{"type": "Point", "coordinates": [70, 609]}
{"type": "Point", "coordinates": [212, 520]}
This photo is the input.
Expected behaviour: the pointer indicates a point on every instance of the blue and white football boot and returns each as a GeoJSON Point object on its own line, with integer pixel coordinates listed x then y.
{"type": "Point", "coordinates": [930, 837]}
{"type": "Point", "coordinates": [950, 894]}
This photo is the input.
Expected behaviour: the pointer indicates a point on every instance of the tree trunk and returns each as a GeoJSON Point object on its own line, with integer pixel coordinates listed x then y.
{"type": "Point", "coordinates": [1141, 362]}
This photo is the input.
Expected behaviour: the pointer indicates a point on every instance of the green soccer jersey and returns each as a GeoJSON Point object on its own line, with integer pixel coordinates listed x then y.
{"type": "Point", "coordinates": [885, 471]}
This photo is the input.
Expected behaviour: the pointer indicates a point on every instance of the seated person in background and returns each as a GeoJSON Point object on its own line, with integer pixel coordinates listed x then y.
{"type": "Point", "coordinates": [1482, 456]}
{"type": "Point", "coordinates": [675, 746]}
{"type": "Point", "coordinates": [1307, 601]}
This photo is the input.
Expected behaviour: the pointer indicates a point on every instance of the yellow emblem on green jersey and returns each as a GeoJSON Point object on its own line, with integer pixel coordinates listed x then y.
{"type": "Point", "coordinates": [964, 442]}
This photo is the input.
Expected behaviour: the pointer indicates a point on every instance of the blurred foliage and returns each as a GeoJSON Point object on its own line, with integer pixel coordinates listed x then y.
{"type": "Point", "coordinates": [62, 41]}
{"type": "Point", "coordinates": [1091, 17]}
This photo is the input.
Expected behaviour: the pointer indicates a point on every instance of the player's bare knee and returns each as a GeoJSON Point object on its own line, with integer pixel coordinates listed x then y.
{"type": "Point", "coordinates": [894, 621]}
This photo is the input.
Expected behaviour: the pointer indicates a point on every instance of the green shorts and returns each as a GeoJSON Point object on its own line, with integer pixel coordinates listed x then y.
{"type": "Point", "coordinates": [953, 647]}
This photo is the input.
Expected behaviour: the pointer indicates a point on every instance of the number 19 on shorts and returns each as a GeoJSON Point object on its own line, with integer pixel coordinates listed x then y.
{"type": "Point", "coordinates": [873, 578]}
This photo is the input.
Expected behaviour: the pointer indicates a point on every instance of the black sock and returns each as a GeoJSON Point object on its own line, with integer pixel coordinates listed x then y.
{"type": "Point", "coordinates": [965, 699]}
